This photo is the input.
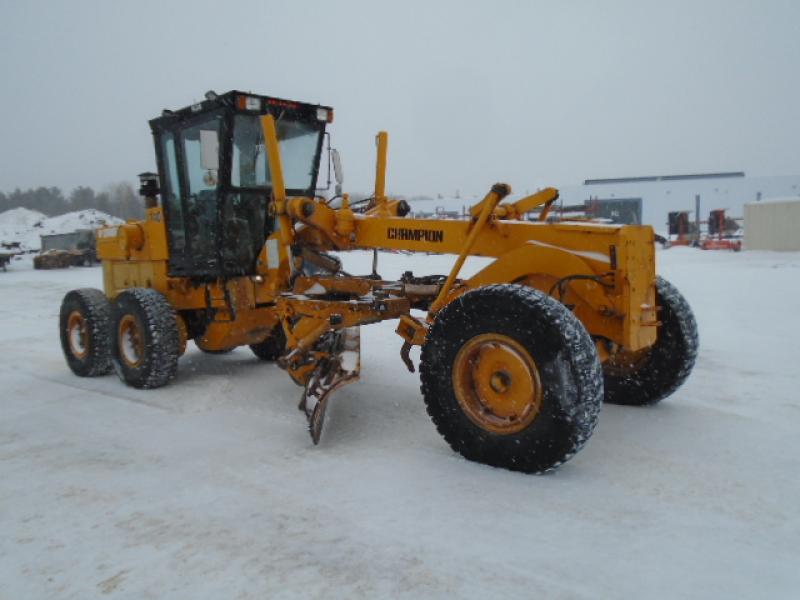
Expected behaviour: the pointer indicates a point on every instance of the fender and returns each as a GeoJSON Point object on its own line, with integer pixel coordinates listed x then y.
{"type": "Point", "coordinates": [541, 266]}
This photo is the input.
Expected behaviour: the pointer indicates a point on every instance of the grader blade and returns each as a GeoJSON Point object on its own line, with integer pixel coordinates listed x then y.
{"type": "Point", "coordinates": [339, 368]}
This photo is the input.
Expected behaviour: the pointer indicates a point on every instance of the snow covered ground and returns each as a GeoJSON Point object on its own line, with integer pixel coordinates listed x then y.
{"type": "Point", "coordinates": [210, 487]}
{"type": "Point", "coordinates": [26, 226]}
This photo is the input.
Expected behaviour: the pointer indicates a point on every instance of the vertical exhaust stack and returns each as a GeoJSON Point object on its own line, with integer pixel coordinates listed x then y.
{"type": "Point", "coordinates": [148, 188]}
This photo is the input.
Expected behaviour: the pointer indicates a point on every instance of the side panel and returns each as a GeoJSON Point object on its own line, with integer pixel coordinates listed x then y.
{"type": "Point", "coordinates": [498, 237]}
{"type": "Point", "coordinates": [135, 255]}
{"type": "Point", "coordinates": [541, 254]}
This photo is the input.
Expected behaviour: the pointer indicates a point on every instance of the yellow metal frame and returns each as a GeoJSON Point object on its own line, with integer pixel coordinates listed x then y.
{"type": "Point", "coordinates": [604, 273]}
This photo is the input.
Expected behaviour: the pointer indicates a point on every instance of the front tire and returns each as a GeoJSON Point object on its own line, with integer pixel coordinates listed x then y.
{"type": "Point", "coordinates": [145, 339]}
{"type": "Point", "coordinates": [511, 378]}
{"type": "Point", "coordinates": [647, 377]}
{"type": "Point", "coordinates": [83, 323]}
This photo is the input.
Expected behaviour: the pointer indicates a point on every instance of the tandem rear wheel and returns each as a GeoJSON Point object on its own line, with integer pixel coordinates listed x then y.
{"type": "Point", "coordinates": [145, 342]}
{"type": "Point", "coordinates": [83, 326]}
{"type": "Point", "coordinates": [511, 378]}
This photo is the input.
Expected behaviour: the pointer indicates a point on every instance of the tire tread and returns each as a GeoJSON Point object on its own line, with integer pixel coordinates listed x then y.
{"type": "Point", "coordinates": [97, 309]}
{"type": "Point", "coordinates": [162, 340]}
{"type": "Point", "coordinates": [581, 409]}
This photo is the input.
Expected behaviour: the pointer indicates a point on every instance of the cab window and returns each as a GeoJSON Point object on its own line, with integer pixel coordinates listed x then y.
{"type": "Point", "coordinates": [298, 142]}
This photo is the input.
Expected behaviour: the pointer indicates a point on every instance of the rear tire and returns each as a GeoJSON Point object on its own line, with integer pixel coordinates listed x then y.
{"type": "Point", "coordinates": [535, 355]}
{"type": "Point", "coordinates": [84, 326]}
{"type": "Point", "coordinates": [272, 348]}
{"type": "Point", "coordinates": [647, 378]}
{"type": "Point", "coordinates": [145, 343]}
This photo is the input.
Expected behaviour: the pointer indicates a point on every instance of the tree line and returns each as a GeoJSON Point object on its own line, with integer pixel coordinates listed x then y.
{"type": "Point", "coordinates": [119, 200]}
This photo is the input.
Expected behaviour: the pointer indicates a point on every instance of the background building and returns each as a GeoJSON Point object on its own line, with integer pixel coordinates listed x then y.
{"type": "Point", "coordinates": [772, 225]}
{"type": "Point", "coordinates": [649, 200]}
{"type": "Point", "coordinates": [663, 194]}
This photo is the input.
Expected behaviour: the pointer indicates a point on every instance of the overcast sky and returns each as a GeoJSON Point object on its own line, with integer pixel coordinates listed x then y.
{"type": "Point", "coordinates": [530, 93]}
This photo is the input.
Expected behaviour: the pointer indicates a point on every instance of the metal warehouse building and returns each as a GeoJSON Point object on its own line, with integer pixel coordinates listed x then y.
{"type": "Point", "coordinates": [661, 194]}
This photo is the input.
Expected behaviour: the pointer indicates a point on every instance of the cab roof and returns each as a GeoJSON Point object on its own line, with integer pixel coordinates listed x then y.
{"type": "Point", "coordinates": [244, 102]}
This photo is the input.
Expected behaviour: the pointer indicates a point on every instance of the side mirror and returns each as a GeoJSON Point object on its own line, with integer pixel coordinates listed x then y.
{"type": "Point", "coordinates": [209, 150]}
{"type": "Point", "coordinates": [337, 170]}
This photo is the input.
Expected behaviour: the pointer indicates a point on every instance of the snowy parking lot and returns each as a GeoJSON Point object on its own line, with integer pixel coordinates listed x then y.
{"type": "Point", "coordinates": [211, 488]}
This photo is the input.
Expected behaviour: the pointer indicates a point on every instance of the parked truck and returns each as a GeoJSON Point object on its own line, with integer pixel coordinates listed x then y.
{"type": "Point", "coordinates": [62, 250]}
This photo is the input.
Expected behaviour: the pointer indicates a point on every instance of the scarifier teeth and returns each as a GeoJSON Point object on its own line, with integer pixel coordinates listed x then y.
{"type": "Point", "coordinates": [330, 374]}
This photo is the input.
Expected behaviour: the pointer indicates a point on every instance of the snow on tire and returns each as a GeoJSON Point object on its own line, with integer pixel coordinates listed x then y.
{"type": "Point", "coordinates": [511, 378]}
{"type": "Point", "coordinates": [83, 324]}
{"type": "Point", "coordinates": [145, 339]}
{"type": "Point", "coordinates": [645, 378]}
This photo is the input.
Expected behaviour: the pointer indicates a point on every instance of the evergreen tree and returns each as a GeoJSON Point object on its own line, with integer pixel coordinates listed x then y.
{"type": "Point", "coordinates": [124, 202]}
{"type": "Point", "coordinates": [49, 201]}
{"type": "Point", "coordinates": [103, 202]}
{"type": "Point", "coordinates": [119, 200]}
{"type": "Point", "coordinates": [82, 198]}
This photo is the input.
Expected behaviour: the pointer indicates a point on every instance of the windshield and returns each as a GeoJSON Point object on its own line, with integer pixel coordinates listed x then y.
{"type": "Point", "coordinates": [298, 142]}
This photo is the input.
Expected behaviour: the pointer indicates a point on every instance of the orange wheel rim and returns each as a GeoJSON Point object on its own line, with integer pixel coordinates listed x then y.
{"type": "Point", "coordinates": [497, 384]}
{"type": "Point", "coordinates": [77, 335]}
{"type": "Point", "coordinates": [131, 341]}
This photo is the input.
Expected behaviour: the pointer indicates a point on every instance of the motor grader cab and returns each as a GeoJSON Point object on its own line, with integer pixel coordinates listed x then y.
{"type": "Point", "coordinates": [515, 359]}
{"type": "Point", "coordinates": [215, 178]}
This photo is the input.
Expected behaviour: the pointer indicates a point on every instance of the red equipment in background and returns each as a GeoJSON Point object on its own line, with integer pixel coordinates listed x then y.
{"type": "Point", "coordinates": [679, 226]}
{"type": "Point", "coordinates": [721, 233]}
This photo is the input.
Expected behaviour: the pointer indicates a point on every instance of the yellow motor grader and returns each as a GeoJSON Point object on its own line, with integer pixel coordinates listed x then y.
{"type": "Point", "coordinates": [515, 360]}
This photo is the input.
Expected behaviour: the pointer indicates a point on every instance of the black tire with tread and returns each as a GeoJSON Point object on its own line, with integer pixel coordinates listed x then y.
{"type": "Point", "coordinates": [670, 361]}
{"type": "Point", "coordinates": [565, 357]}
{"type": "Point", "coordinates": [96, 310]}
{"type": "Point", "coordinates": [157, 320]}
{"type": "Point", "coordinates": [273, 347]}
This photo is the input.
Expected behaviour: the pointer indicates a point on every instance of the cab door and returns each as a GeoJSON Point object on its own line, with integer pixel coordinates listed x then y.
{"type": "Point", "coordinates": [197, 149]}
{"type": "Point", "coordinates": [245, 221]}
{"type": "Point", "coordinates": [190, 193]}
{"type": "Point", "coordinates": [172, 203]}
